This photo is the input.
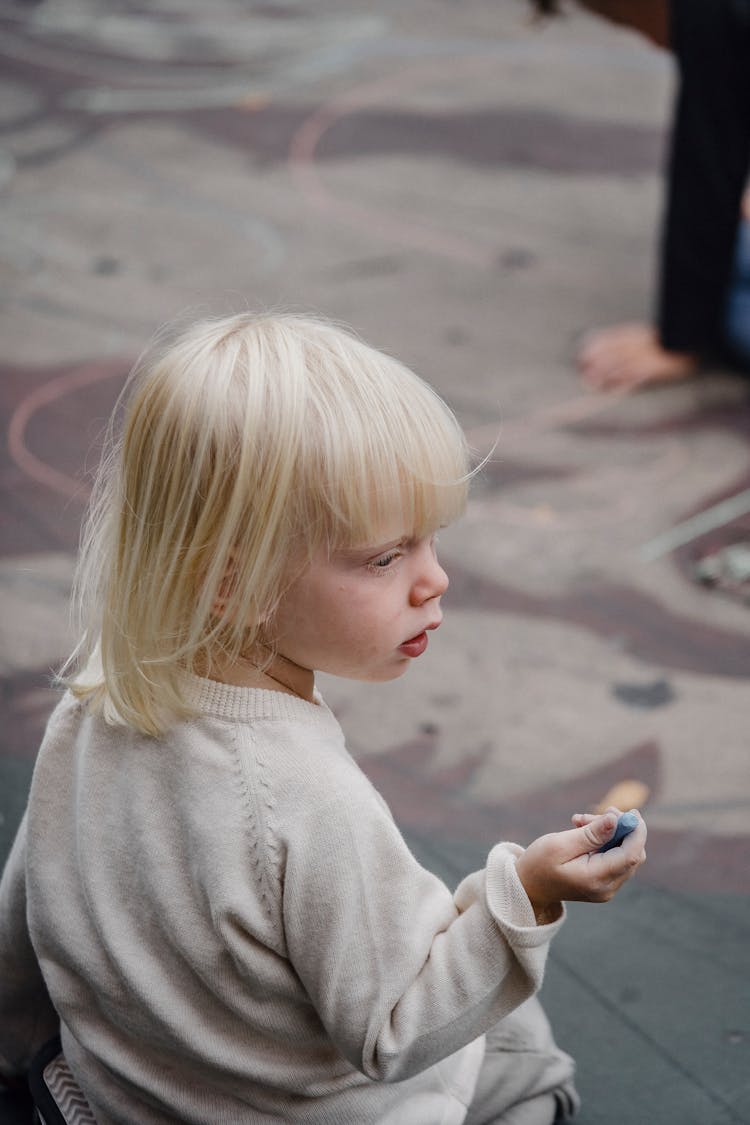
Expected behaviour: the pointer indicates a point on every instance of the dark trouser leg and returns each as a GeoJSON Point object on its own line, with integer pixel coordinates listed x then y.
{"type": "Point", "coordinates": [708, 170]}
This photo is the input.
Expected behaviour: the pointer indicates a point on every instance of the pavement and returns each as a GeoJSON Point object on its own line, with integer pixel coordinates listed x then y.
{"type": "Point", "coordinates": [470, 191]}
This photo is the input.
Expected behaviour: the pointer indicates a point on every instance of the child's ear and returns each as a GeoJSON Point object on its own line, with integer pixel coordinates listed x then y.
{"type": "Point", "coordinates": [226, 587]}
{"type": "Point", "coordinates": [226, 590]}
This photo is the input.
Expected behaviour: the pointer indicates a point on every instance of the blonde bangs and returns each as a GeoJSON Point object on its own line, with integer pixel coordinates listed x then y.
{"type": "Point", "coordinates": [391, 453]}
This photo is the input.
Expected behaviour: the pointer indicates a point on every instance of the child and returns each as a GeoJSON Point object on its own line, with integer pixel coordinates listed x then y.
{"type": "Point", "coordinates": [206, 894]}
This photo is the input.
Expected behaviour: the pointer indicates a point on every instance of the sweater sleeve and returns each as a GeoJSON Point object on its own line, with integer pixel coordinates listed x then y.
{"type": "Point", "coordinates": [401, 972]}
{"type": "Point", "coordinates": [27, 1018]}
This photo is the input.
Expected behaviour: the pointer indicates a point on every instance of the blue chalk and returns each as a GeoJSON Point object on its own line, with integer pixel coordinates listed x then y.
{"type": "Point", "coordinates": [625, 825]}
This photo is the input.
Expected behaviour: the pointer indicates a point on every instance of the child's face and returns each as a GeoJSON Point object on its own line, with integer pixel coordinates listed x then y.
{"type": "Point", "coordinates": [363, 613]}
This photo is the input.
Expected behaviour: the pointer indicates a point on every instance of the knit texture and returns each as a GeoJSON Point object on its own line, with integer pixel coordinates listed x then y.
{"type": "Point", "coordinates": [232, 929]}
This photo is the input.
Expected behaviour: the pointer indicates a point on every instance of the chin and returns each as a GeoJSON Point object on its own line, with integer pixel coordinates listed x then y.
{"type": "Point", "coordinates": [394, 673]}
{"type": "Point", "coordinates": [380, 675]}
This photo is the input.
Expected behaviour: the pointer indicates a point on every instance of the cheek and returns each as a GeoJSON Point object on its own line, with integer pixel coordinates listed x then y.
{"type": "Point", "coordinates": [349, 621]}
{"type": "Point", "coordinates": [327, 614]}
{"type": "Point", "coordinates": [379, 623]}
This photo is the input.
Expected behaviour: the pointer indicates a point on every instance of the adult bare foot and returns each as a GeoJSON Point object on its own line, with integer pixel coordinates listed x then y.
{"type": "Point", "coordinates": [629, 357]}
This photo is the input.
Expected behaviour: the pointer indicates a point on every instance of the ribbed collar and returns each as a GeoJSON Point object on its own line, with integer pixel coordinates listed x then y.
{"type": "Point", "coordinates": [246, 704]}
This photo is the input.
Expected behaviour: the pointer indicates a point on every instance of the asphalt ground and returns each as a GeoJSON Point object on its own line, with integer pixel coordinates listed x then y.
{"type": "Point", "coordinates": [471, 192]}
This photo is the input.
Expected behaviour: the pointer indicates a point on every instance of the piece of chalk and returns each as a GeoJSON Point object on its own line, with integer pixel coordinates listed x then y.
{"type": "Point", "coordinates": [626, 822]}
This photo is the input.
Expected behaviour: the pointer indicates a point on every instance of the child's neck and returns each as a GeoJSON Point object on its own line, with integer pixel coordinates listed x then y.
{"type": "Point", "coordinates": [280, 675]}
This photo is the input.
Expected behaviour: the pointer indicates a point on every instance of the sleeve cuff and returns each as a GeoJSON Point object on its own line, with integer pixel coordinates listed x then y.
{"type": "Point", "coordinates": [509, 904]}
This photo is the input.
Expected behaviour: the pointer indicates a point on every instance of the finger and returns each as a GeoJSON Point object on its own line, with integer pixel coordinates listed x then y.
{"type": "Point", "coordinates": [595, 832]}
{"type": "Point", "coordinates": [581, 819]}
{"type": "Point", "coordinates": [600, 830]}
{"type": "Point", "coordinates": [630, 854]}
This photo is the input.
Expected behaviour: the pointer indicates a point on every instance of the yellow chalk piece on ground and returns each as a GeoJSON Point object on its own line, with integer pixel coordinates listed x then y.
{"type": "Point", "coordinates": [630, 794]}
{"type": "Point", "coordinates": [253, 102]}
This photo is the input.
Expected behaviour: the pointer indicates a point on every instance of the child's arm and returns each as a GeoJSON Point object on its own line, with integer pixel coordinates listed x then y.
{"type": "Point", "coordinates": [401, 972]}
{"type": "Point", "coordinates": [27, 1018]}
{"type": "Point", "coordinates": [567, 866]}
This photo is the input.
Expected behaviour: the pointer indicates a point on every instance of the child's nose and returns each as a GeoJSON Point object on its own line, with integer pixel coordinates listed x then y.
{"type": "Point", "coordinates": [431, 582]}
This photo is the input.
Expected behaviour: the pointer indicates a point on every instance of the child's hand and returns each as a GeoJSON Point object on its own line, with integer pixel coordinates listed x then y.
{"type": "Point", "coordinates": [566, 865]}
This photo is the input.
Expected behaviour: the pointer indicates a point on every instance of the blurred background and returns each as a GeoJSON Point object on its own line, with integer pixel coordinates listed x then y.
{"type": "Point", "coordinates": [471, 190]}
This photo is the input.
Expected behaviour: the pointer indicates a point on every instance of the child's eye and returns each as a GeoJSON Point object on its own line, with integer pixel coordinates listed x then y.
{"type": "Point", "coordinates": [384, 561]}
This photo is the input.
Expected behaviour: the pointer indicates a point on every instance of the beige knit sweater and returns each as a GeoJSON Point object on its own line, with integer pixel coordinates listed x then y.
{"type": "Point", "coordinates": [232, 929]}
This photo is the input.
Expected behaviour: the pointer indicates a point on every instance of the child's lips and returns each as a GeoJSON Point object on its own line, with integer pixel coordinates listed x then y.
{"type": "Point", "coordinates": [415, 646]}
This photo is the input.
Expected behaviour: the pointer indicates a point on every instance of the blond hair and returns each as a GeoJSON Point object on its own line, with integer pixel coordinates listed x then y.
{"type": "Point", "coordinates": [247, 444]}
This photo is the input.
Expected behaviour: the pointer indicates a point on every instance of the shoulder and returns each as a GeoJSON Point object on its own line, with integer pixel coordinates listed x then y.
{"type": "Point", "coordinates": [305, 759]}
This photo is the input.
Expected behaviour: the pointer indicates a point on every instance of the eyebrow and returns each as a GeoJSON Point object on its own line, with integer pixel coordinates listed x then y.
{"type": "Point", "coordinates": [372, 549]}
